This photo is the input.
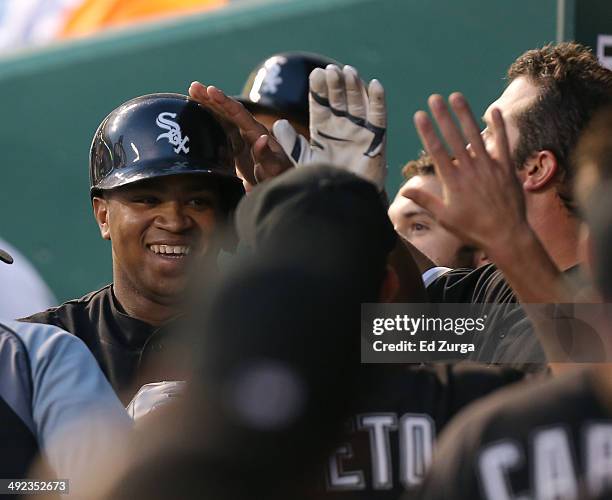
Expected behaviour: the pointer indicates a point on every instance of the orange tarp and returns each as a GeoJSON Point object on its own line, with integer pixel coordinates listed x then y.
{"type": "Point", "coordinates": [95, 15]}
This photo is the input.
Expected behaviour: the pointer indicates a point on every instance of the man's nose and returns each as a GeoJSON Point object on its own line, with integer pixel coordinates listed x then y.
{"type": "Point", "coordinates": [173, 217]}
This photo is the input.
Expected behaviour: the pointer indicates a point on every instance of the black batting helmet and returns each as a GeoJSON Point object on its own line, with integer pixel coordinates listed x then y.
{"type": "Point", "coordinates": [157, 135]}
{"type": "Point", "coordinates": [279, 85]}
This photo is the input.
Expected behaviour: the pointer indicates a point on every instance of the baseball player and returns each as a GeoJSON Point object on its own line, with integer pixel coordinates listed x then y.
{"type": "Point", "coordinates": [324, 214]}
{"type": "Point", "coordinates": [54, 401]}
{"type": "Point", "coordinates": [509, 193]}
{"type": "Point", "coordinates": [552, 439]}
{"type": "Point", "coordinates": [163, 186]}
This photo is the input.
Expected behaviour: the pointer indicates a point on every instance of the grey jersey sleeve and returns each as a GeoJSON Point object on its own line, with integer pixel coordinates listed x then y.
{"type": "Point", "coordinates": [75, 412]}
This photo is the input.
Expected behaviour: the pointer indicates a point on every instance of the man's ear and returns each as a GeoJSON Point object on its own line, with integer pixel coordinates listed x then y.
{"type": "Point", "coordinates": [539, 170]}
{"type": "Point", "coordinates": [100, 208]}
{"type": "Point", "coordinates": [390, 286]}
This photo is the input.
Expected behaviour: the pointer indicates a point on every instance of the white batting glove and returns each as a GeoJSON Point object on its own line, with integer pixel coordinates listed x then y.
{"type": "Point", "coordinates": [348, 126]}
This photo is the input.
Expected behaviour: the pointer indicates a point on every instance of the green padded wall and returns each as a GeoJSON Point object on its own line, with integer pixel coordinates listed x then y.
{"type": "Point", "coordinates": [592, 18]}
{"type": "Point", "coordinates": [53, 99]}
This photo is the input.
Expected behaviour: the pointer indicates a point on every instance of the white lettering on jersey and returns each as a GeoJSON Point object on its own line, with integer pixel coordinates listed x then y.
{"type": "Point", "coordinates": [340, 479]}
{"type": "Point", "coordinates": [379, 426]}
{"type": "Point", "coordinates": [416, 434]}
{"type": "Point", "coordinates": [598, 458]}
{"type": "Point", "coordinates": [554, 474]}
{"type": "Point", "coordinates": [494, 464]}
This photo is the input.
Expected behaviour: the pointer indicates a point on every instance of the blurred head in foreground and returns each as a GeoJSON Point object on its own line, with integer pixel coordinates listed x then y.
{"type": "Point", "coordinates": [593, 191]}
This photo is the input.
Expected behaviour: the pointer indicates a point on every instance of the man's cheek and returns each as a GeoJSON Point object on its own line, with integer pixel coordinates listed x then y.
{"type": "Point", "coordinates": [425, 243]}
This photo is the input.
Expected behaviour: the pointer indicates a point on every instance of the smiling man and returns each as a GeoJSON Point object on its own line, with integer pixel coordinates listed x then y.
{"type": "Point", "coordinates": [162, 187]}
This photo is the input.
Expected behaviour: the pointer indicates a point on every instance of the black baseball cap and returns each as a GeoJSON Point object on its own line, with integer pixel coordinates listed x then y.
{"type": "Point", "coordinates": [317, 205]}
{"type": "Point", "coordinates": [5, 257]}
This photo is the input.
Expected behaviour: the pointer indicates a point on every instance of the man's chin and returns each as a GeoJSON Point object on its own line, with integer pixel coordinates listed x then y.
{"type": "Point", "coordinates": [170, 293]}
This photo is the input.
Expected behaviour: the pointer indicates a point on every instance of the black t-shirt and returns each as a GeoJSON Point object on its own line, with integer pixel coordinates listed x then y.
{"type": "Point", "coordinates": [550, 440]}
{"type": "Point", "coordinates": [389, 441]}
{"type": "Point", "coordinates": [115, 339]}
{"type": "Point", "coordinates": [511, 339]}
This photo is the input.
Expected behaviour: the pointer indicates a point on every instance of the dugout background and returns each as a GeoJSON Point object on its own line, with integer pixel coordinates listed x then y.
{"type": "Point", "coordinates": [53, 99]}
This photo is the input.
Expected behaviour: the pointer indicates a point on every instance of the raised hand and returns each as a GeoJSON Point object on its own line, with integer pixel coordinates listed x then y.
{"type": "Point", "coordinates": [482, 200]}
{"type": "Point", "coordinates": [257, 154]}
{"type": "Point", "coordinates": [348, 125]}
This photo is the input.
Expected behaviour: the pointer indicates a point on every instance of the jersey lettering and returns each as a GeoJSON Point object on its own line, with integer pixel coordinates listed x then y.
{"type": "Point", "coordinates": [494, 464]}
{"type": "Point", "coordinates": [598, 458]}
{"type": "Point", "coordinates": [340, 479]}
{"type": "Point", "coordinates": [416, 434]}
{"type": "Point", "coordinates": [554, 474]}
{"type": "Point", "coordinates": [379, 426]}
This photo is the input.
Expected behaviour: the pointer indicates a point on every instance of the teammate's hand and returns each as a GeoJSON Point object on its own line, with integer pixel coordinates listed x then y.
{"type": "Point", "coordinates": [257, 154]}
{"type": "Point", "coordinates": [482, 200]}
{"type": "Point", "coordinates": [348, 126]}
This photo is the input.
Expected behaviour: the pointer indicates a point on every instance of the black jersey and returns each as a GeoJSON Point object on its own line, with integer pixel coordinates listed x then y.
{"type": "Point", "coordinates": [547, 440]}
{"type": "Point", "coordinates": [511, 336]}
{"type": "Point", "coordinates": [115, 339]}
{"type": "Point", "coordinates": [389, 441]}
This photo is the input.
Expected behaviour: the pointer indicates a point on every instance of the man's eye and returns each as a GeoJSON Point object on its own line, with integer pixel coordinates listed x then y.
{"type": "Point", "coordinates": [416, 227]}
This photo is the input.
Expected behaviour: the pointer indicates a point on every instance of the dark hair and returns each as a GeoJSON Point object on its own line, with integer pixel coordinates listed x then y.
{"type": "Point", "coordinates": [572, 86]}
{"type": "Point", "coordinates": [423, 165]}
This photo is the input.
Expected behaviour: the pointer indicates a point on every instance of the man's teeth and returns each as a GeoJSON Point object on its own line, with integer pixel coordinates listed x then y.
{"type": "Point", "coordinates": [170, 249]}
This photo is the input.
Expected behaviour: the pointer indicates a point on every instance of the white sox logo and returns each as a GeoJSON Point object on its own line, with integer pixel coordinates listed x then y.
{"type": "Point", "coordinates": [273, 79]}
{"type": "Point", "coordinates": [174, 134]}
